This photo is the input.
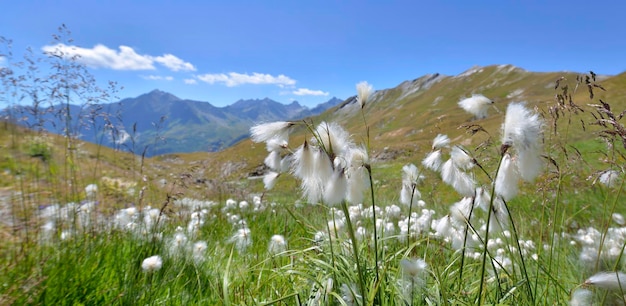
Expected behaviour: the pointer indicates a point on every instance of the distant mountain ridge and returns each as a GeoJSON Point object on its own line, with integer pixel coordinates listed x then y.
{"type": "Point", "coordinates": [163, 123]}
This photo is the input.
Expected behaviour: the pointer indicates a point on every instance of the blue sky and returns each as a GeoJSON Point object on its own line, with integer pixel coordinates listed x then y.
{"type": "Point", "coordinates": [310, 51]}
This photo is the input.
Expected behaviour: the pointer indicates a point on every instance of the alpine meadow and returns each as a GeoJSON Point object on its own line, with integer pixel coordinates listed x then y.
{"type": "Point", "coordinates": [496, 186]}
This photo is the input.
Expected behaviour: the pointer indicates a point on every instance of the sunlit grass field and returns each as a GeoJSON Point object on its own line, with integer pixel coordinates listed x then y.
{"type": "Point", "coordinates": [79, 228]}
{"type": "Point", "coordinates": [397, 197]}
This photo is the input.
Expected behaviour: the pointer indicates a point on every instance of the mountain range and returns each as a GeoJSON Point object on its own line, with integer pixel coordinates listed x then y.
{"type": "Point", "coordinates": [159, 122]}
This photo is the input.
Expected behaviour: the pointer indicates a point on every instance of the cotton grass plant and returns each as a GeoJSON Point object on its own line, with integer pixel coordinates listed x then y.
{"type": "Point", "coordinates": [509, 223]}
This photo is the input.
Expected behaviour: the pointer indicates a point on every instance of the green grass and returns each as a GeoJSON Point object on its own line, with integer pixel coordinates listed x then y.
{"type": "Point", "coordinates": [100, 263]}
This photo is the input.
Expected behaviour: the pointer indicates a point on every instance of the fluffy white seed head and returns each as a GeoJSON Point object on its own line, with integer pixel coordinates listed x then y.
{"type": "Point", "coordinates": [433, 160]}
{"type": "Point", "coordinates": [507, 179]}
{"type": "Point", "coordinates": [413, 269]}
{"type": "Point", "coordinates": [336, 188]}
{"type": "Point", "coordinates": [609, 178]}
{"type": "Point", "coordinates": [277, 244]}
{"type": "Point", "coordinates": [581, 297]}
{"type": "Point", "coordinates": [269, 180]}
{"type": "Point", "coordinates": [441, 141]}
{"type": "Point", "coordinates": [476, 105]}
{"type": "Point", "coordinates": [242, 239]}
{"type": "Point", "coordinates": [334, 139]}
{"type": "Point", "coordinates": [273, 130]}
{"type": "Point", "coordinates": [411, 175]}
{"type": "Point", "coordinates": [364, 91]}
{"type": "Point", "coordinates": [521, 128]}
{"type": "Point", "coordinates": [615, 281]}
{"type": "Point", "coordinates": [460, 158]}
{"type": "Point", "coordinates": [273, 161]}
{"type": "Point", "coordinates": [152, 263]}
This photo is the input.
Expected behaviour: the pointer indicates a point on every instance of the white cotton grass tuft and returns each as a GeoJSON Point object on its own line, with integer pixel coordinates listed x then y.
{"type": "Point", "coordinates": [618, 218]}
{"type": "Point", "coordinates": [413, 269]}
{"type": "Point", "coordinates": [334, 139]}
{"type": "Point", "coordinates": [476, 105]}
{"type": "Point", "coordinates": [521, 128]}
{"type": "Point", "coordinates": [276, 144]}
{"type": "Point", "coordinates": [273, 161]}
{"type": "Point", "coordinates": [609, 178]}
{"type": "Point", "coordinates": [433, 160]}
{"type": "Point", "coordinates": [615, 281]}
{"type": "Point", "coordinates": [441, 141]}
{"type": "Point", "coordinates": [273, 130]}
{"type": "Point", "coordinates": [364, 90]}
{"type": "Point", "coordinates": [269, 180]}
{"type": "Point", "coordinates": [350, 294]}
{"type": "Point", "coordinates": [507, 179]}
{"type": "Point", "coordinates": [409, 195]}
{"type": "Point", "coordinates": [462, 182]}
{"type": "Point", "coordinates": [336, 188]}
{"type": "Point", "coordinates": [411, 174]}
{"type": "Point", "coordinates": [198, 251]}
{"type": "Point", "coordinates": [152, 263]}
{"type": "Point", "coordinates": [303, 165]}
{"type": "Point", "coordinates": [529, 164]}
{"type": "Point", "coordinates": [461, 159]}
{"type": "Point", "coordinates": [277, 244]}
{"type": "Point", "coordinates": [357, 175]}
{"type": "Point", "coordinates": [581, 297]}
{"type": "Point", "coordinates": [91, 190]}
{"type": "Point", "coordinates": [242, 239]}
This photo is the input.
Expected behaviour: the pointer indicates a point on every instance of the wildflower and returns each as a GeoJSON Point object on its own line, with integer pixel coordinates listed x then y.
{"type": "Point", "coordinates": [364, 91]}
{"type": "Point", "coordinates": [409, 196]}
{"type": "Point", "coordinates": [178, 243]}
{"type": "Point", "coordinates": [269, 180]}
{"type": "Point", "coordinates": [506, 181]}
{"type": "Point", "coordinates": [241, 239]}
{"type": "Point", "coordinates": [277, 244]}
{"type": "Point", "coordinates": [275, 144]}
{"type": "Point", "coordinates": [91, 190]}
{"type": "Point", "coordinates": [608, 280]}
{"type": "Point", "coordinates": [357, 174]}
{"type": "Point", "coordinates": [581, 297]}
{"type": "Point", "coordinates": [522, 130]}
{"type": "Point", "coordinates": [350, 294]}
{"type": "Point", "coordinates": [460, 211]}
{"type": "Point", "coordinates": [279, 131]}
{"type": "Point", "coordinates": [441, 141]}
{"type": "Point", "coordinates": [411, 175]}
{"type": "Point", "coordinates": [313, 185]}
{"type": "Point", "coordinates": [618, 218]}
{"type": "Point", "coordinates": [414, 270]}
{"type": "Point", "coordinates": [462, 182]}
{"type": "Point", "coordinates": [273, 161]}
{"type": "Point", "coordinates": [152, 263]}
{"type": "Point", "coordinates": [609, 178]}
{"type": "Point", "coordinates": [433, 161]}
{"type": "Point", "coordinates": [476, 105]}
{"type": "Point", "coordinates": [198, 251]}
{"type": "Point", "coordinates": [303, 165]}
{"type": "Point", "coordinates": [332, 138]}
{"type": "Point", "coordinates": [461, 159]}
{"type": "Point", "coordinates": [336, 188]}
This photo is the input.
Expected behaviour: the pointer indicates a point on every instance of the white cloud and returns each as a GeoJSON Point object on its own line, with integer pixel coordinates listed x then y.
{"type": "Point", "coordinates": [235, 79]}
{"type": "Point", "coordinates": [174, 63]}
{"type": "Point", "coordinates": [190, 81]}
{"type": "Point", "coordinates": [309, 92]}
{"type": "Point", "coordinates": [2, 60]}
{"type": "Point", "coordinates": [101, 56]}
{"type": "Point", "coordinates": [158, 77]}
